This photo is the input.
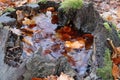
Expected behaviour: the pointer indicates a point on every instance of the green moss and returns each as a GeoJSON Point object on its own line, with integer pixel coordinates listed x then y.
{"type": "Point", "coordinates": [114, 25]}
{"type": "Point", "coordinates": [107, 26]}
{"type": "Point", "coordinates": [9, 9]}
{"type": "Point", "coordinates": [105, 72]}
{"type": "Point", "coordinates": [43, 1]}
{"type": "Point", "coordinates": [74, 4]}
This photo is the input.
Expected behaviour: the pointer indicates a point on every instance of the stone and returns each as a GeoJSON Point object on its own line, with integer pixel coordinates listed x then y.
{"type": "Point", "coordinates": [6, 20]}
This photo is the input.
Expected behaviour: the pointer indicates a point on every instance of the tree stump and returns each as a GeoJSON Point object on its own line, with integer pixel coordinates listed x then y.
{"type": "Point", "coordinates": [88, 20]}
{"type": "Point", "coordinates": [85, 20]}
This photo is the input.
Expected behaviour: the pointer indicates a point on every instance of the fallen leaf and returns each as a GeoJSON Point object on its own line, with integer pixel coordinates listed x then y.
{"type": "Point", "coordinates": [115, 71]}
{"type": "Point", "coordinates": [65, 37]}
{"type": "Point", "coordinates": [54, 19]}
{"type": "Point", "coordinates": [64, 77]}
{"type": "Point", "coordinates": [75, 44]}
{"type": "Point", "coordinates": [27, 41]}
{"type": "Point", "coordinates": [88, 40]}
{"type": "Point", "coordinates": [27, 31]}
{"type": "Point", "coordinates": [28, 22]}
{"type": "Point", "coordinates": [116, 50]}
{"type": "Point", "coordinates": [116, 60]}
{"type": "Point", "coordinates": [38, 79]}
{"type": "Point", "coordinates": [31, 1]}
{"type": "Point", "coordinates": [67, 29]}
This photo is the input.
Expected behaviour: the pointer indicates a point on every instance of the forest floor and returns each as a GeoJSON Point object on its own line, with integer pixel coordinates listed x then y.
{"type": "Point", "coordinates": [108, 9]}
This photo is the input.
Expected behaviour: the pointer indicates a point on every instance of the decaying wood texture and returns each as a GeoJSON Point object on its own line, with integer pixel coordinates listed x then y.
{"type": "Point", "coordinates": [86, 20]}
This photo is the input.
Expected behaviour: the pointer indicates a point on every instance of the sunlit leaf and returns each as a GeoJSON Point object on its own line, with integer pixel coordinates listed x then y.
{"type": "Point", "coordinates": [64, 77]}
{"type": "Point", "coordinates": [28, 22]}
{"type": "Point", "coordinates": [75, 44]}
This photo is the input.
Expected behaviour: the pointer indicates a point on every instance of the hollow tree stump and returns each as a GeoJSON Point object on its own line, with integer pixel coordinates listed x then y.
{"type": "Point", "coordinates": [88, 20]}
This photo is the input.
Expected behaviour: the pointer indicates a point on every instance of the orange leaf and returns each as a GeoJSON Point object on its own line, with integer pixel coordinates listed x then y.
{"type": "Point", "coordinates": [31, 1]}
{"type": "Point", "coordinates": [115, 71]}
{"type": "Point", "coordinates": [67, 29]}
{"type": "Point", "coordinates": [66, 37]}
{"type": "Point", "coordinates": [28, 21]}
{"type": "Point", "coordinates": [38, 79]}
{"type": "Point", "coordinates": [116, 60]}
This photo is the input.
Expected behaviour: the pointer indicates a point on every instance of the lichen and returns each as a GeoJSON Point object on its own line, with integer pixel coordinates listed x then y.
{"type": "Point", "coordinates": [107, 26]}
{"type": "Point", "coordinates": [105, 72]}
{"type": "Point", "coordinates": [74, 4]}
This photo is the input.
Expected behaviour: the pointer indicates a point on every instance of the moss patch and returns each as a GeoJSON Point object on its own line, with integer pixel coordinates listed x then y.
{"type": "Point", "coordinates": [107, 26]}
{"type": "Point", "coordinates": [105, 72]}
{"type": "Point", "coordinates": [9, 9]}
{"type": "Point", "coordinates": [74, 4]}
{"type": "Point", "coordinates": [43, 1]}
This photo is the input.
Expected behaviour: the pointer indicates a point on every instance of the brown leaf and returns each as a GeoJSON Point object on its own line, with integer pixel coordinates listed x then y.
{"type": "Point", "coordinates": [54, 19]}
{"type": "Point", "coordinates": [67, 29]}
{"type": "Point", "coordinates": [27, 31]}
{"type": "Point", "coordinates": [65, 37]}
{"type": "Point", "coordinates": [28, 22]}
{"type": "Point", "coordinates": [115, 71]}
{"type": "Point", "coordinates": [27, 41]}
{"type": "Point", "coordinates": [116, 60]}
{"type": "Point", "coordinates": [64, 77]}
